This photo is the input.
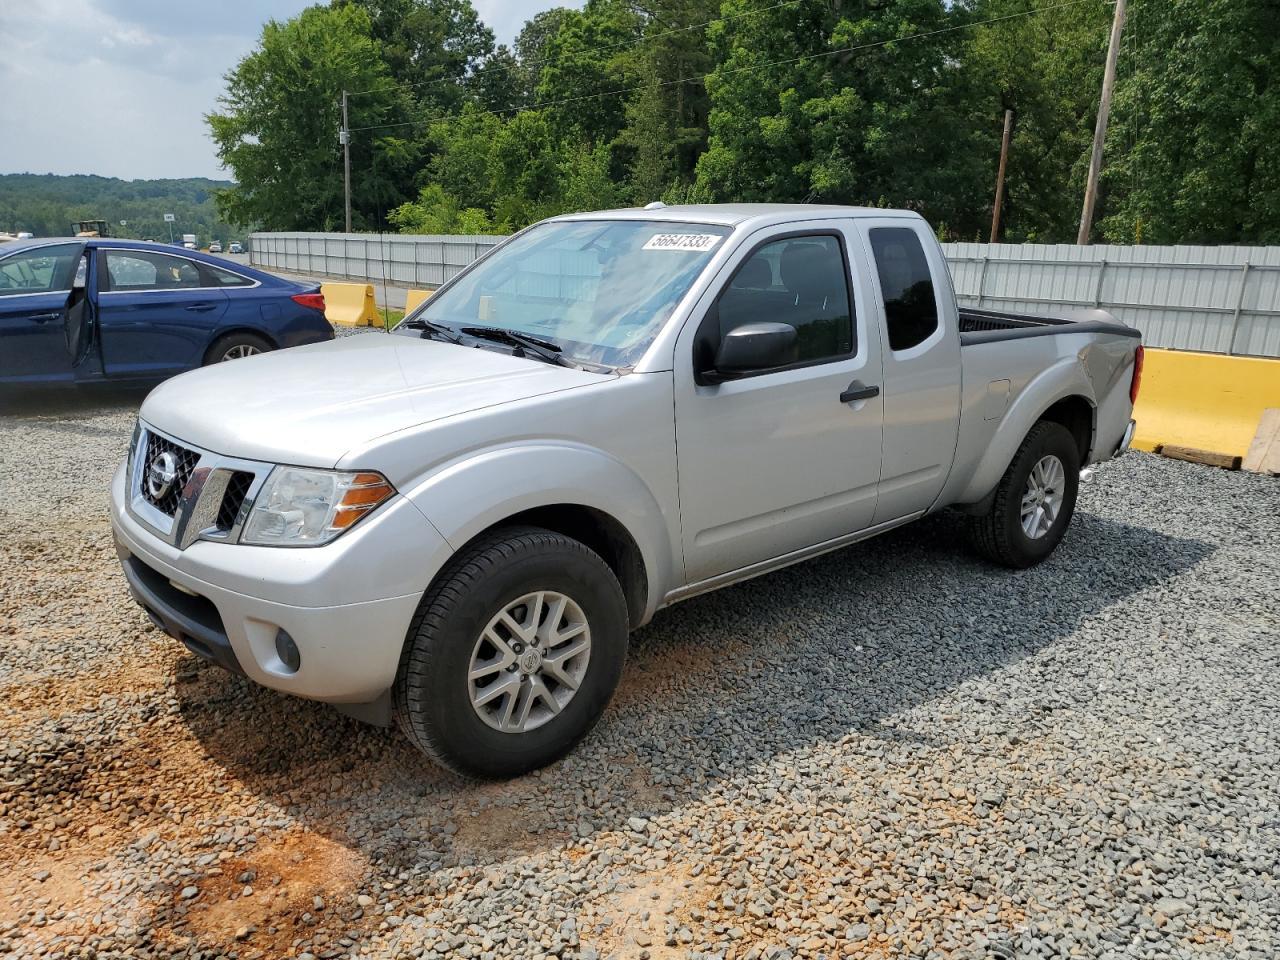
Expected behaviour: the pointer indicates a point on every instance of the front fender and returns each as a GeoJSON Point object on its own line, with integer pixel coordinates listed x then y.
{"type": "Point", "coordinates": [470, 495]}
{"type": "Point", "coordinates": [1065, 378]}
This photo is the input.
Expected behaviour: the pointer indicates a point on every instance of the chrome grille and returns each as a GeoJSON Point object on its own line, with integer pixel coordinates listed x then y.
{"type": "Point", "coordinates": [167, 499]}
{"type": "Point", "coordinates": [233, 499]}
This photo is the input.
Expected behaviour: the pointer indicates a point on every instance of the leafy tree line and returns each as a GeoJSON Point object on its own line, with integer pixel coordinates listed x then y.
{"type": "Point", "coordinates": [879, 102]}
{"type": "Point", "coordinates": [47, 205]}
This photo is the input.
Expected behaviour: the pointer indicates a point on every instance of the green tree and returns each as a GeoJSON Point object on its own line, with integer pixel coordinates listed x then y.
{"type": "Point", "coordinates": [1191, 154]}
{"type": "Point", "coordinates": [587, 63]}
{"type": "Point", "coordinates": [429, 47]}
{"type": "Point", "coordinates": [277, 125]}
{"type": "Point", "coordinates": [1046, 68]}
{"type": "Point", "coordinates": [882, 125]}
{"type": "Point", "coordinates": [437, 211]}
{"type": "Point", "coordinates": [666, 118]}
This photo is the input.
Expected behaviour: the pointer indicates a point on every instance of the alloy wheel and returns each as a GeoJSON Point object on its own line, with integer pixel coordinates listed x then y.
{"type": "Point", "coordinates": [529, 661]}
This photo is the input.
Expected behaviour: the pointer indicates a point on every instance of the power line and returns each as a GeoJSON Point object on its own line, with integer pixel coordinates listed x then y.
{"type": "Point", "coordinates": [747, 68]}
{"type": "Point", "coordinates": [649, 38]}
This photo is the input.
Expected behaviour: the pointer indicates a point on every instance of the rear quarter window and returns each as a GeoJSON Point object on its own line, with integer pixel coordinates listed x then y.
{"type": "Point", "coordinates": [906, 284]}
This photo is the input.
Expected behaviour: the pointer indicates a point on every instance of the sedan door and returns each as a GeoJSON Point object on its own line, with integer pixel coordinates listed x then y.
{"type": "Point", "coordinates": [779, 461]}
{"type": "Point", "coordinates": [35, 287]}
{"type": "Point", "coordinates": [157, 312]}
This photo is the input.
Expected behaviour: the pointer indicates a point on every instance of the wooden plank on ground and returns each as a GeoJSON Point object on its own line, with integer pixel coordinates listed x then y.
{"type": "Point", "coordinates": [1264, 451]}
{"type": "Point", "coordinates": [1192, 455]}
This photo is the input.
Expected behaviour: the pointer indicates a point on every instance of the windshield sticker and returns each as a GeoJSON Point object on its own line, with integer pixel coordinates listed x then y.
{"type": "Point", "coordinates": [695, 242]}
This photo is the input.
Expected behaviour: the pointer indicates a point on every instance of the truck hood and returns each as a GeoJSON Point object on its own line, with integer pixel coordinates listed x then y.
{"type": "Point", "coordinates": [310, 405]}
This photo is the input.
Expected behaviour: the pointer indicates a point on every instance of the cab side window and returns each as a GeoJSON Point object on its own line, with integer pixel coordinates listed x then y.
{"type": "Point", "coordinates": [910, 308]}
{"type": "Point", "coordinates": [801, 281]}
{"type": "Point", "coordinates": [134, 270]}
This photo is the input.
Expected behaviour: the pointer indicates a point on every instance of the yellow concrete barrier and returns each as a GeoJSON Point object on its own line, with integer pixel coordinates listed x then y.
{"type": "Point", "coordinates": [414, 299]}
{"type": "Point", "coordinates": [1203, 401]}
{"type": "Point", "coordinates": [351, 304]}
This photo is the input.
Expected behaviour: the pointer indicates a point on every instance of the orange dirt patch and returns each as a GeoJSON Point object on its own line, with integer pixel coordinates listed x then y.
{"type": "Point", "coordinates": [636, 916]}
{"type": "Point", "coordinates": [288, 874]}
{"type": "Point", "coordinates": [507, 831]}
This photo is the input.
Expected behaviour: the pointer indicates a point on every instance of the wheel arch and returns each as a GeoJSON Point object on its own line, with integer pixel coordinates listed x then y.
{"type": "Point", "coordinates": [596, 529]}
{"type": "Point", "coordinates": [1061, 394]}
{"type": "Point", "coordinates": [575, 490]}
{"type": "Point", "coordinates": [1078, 416]}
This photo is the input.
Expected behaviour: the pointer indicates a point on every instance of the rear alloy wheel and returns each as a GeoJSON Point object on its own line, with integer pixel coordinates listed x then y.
{"type": "Point", "coordinates": [236, 346]}
{"type": "Point", "coordinates": [238, 351]}
{"type": "Point", "coordinates": [1034, 501]}
{"type": "Point", "coordinates": [513, 654]}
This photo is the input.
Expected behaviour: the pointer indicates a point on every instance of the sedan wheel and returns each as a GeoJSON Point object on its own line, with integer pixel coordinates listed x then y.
{"type": "Point", "coordinates": [238, 351]}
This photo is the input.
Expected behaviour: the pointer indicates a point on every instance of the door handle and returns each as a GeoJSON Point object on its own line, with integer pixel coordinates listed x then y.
{"type": "Point", "coordinates": [857, 391]}
{"type": "Point", "coordinates": [43, 317]}
{"type": "Point", "coordinates": [200, 307]}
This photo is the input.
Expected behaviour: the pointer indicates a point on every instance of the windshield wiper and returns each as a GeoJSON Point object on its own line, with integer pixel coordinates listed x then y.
{"type": "Point", "coordinates": [523, 342]}
{"type": "Point", "coordinates": [430, 326]}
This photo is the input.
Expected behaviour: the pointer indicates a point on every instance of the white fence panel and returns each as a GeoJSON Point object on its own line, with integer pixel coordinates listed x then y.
{"type": "Point", "coordinates": [1217, 299]}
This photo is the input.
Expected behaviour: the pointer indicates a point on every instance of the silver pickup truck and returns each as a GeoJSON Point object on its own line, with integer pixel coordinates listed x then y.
{"type": "Point", "coordinates": [456, 526]}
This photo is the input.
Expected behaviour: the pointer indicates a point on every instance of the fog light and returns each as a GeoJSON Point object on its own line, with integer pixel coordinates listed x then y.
{"type": "Point", "coordinates": [287, 651]}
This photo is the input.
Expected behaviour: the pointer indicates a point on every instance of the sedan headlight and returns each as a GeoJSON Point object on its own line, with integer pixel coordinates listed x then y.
{"type": "Point", "coordinates": [297, 507]}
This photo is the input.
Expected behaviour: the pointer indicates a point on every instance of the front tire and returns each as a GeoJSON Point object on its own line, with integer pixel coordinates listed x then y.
{"type": "Point", "coordinates": [513, 654]}
{"type": "Point", "coordinates": [1034, 502]}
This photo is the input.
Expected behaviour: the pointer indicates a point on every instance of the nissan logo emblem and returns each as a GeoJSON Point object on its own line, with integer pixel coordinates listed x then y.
{"type": "Point", "coordinates": [161, 474]}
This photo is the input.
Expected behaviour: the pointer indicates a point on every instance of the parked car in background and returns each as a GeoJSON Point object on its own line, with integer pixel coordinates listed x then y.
{"type": "Point", "coordinates": [25, 235]}
{"type": "Point", "coordinates": [215, 247]}
{"type": "Point", "coordinates": [89, 309]}
{"type": "Point", "coordinates": [236, 247]}
{"type": "Point", "coordinates": [458, 525]}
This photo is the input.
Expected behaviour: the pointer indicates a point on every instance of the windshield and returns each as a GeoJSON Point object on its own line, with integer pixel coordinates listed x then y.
{"type": "Point", "coordinates": [600, 290]}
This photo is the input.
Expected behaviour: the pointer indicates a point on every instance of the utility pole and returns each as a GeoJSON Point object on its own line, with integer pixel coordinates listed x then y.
{"type": "Point", "coordinates": [344, 135]}
{"type": "Point", "coordinates": [1100, 131]}
{"type": "Point", "coordinates": [1004, 159]}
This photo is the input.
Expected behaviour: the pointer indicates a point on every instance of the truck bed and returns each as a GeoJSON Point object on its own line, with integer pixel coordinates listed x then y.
{"type": "Point", "coordinates": [986, 326]}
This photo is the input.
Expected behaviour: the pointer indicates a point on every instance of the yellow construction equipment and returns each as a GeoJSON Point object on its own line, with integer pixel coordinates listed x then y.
{"type": "Point", "coordinates": [1204, 401]}
{"type": "Point", "coordinates": [414, 299]}
{"type": "Point", "coordinates": [351, 305]}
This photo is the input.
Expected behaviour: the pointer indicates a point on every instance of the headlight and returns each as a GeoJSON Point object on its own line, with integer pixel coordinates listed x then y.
{"type": "Point", "coordinates": [305, 508]}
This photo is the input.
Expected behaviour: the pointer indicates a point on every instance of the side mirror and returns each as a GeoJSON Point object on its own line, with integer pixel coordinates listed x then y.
{"type": "Point", "coordinates": [751, 347]}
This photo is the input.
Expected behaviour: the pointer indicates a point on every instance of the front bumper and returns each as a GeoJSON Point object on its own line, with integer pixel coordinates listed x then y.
{"type": "Point", "coordinates": [346, 606]}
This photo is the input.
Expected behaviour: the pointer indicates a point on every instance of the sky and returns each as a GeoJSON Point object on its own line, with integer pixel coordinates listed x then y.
{"type": "Point", "coordinates": [120, 87]}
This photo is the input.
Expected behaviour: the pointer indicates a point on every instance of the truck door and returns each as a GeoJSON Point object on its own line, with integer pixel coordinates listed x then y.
{"type": "Point", "coordinates": [917, 310]}
{"type": "Point", "coordinates": [784, 458]}
{"type": "Point", "coordinates": [155, 315]}
{"type": "Point", "coordinates": [35, 288]}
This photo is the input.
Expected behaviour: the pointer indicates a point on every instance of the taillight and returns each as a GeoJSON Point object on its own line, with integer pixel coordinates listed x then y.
{"type": "Point", "coordinates": [313, 300]}
{"type": "Point", "coordinates": [1138, 356]}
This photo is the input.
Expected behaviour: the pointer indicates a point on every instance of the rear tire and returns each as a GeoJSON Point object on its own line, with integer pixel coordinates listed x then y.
{"type": "Point", "coordinates": [235, 346]}
{"type": "Point", "coordinates": [474, 691]}
{"type": "Point", "coordinates": [1029, 515]}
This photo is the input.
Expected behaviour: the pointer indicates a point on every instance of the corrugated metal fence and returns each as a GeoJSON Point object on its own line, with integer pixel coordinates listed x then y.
{"type": "Point", "coordinates": [415, 260]}
{"type": "Point", "coordinates": [1216, 299]}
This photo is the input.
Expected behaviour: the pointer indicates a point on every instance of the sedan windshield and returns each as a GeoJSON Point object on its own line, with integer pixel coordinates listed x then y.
{"type": "Point", "coordinates": [599, 290]}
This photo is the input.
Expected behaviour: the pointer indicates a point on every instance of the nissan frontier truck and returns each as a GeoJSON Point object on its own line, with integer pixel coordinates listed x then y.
{"type": "Point", "coordinates": [455, 527]}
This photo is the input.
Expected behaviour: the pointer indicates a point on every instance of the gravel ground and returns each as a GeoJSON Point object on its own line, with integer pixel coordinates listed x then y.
{"type": "Point", "coordinates": [891, 751]}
